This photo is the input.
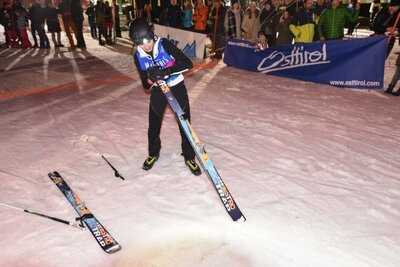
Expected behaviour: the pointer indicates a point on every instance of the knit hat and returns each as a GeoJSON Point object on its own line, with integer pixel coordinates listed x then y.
{"type": "Point", "coordinates": [395, 3]}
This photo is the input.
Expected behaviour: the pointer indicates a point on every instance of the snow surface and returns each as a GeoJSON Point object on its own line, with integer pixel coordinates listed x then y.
{"type": "Point", "coordinates": [314, 168]}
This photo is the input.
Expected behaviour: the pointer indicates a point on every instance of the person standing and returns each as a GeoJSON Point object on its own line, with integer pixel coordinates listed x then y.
{"type": "Point", "coordinates": [92, 20]}
{"type": "Point", "coordinates": [187, 15]}
{"type": "Point", "coordinates": [285, 36]}
{"type": "Point", "coordinates": [99, 13]}
{"type": "Point", "coordinates": [251, 23]}
{"type": "Point", "coordinates": [218, 29]}
{"type": "Point", "coordinates": [77, 18]}
{"type": "Point", "coordinates": [37, 17]}
{"type": "Point", "coordinates": [302, 25]}
{"type": "Point", "coordinates": [200, 17]}
{"type": "Point", "coordinates": [268, 22]}
{"type": "Point", "coordinates": [22, 24]}
{"type": "Point", "coordinates": [108, 23]}
{"type": "Point", "coordinates": [117, 20]}
{"type": "Point", "coordinates": [69, 25]}
{"type": "Point", "coordinates": [155, 59]}
{"type": "Point", "coordinates": [174, 15]}
{"type": "Point", "coordinates": [332, 21]}
{"type": "Point", "coordinates": [53, 25]}
{"type": "Point", "coordinates": [233, 20]}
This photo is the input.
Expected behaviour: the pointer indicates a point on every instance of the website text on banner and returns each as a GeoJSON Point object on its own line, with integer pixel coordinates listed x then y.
{"type": "Point", "coordinates": [356, 63]}
{"type": "Point", "coordinates": [192, 44]}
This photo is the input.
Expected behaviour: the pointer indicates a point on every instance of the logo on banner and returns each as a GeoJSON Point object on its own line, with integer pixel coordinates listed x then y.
{"type": "Point", "coordinates": [297, 58]}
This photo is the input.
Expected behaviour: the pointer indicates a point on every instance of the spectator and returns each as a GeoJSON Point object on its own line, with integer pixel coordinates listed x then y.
{"type": "Point", "coordinates": [187, 15]}
{"type": "Point", "coordinates": [384, 21]}
{"type": "Point", "coordinates": [332, 21]}
{"type": "Point", "coordinates": [99, 13]}
{"type": "Point", "coordinates": [351, 25]}
{"type": "Point", "coordinates": [77, 18]}
{"type": "Point", "coordinates": [148, 12]}
{"type": "Point", "coordinates": [268, 22]}
{"type": "Point", "coordinates": [9, 26]}
{"type": "Point", "coordinates": [233, 20]}
{"type": "Point", "coordinates": [92, 20]}
{"type": "Point", "coordinates": [37, 17]}
{"type": "Point", "coordinates": [251, 23]}
{"type": "Point", "coordinates": [303, 24]}
{"type": "Point", "coordinates": [4, 21]}
{"type": "Point", "coordinates": [53, 25]}
{"type": "Point", "coordinates": [210, 7]}
{"type": "Point", "coordinates": [374, 8]}
{"type": "Point", "coordinates": [218, 18]}
{"type": "Point", "coordinates": [285, 36]}
{"type": "Point", "coordinates": [174, 15]}
{"type": "Point", "coordinates": [69, 25]}
{"type": "Point", "coordinates": [262, 41]}
{"type": "Point", "coordinates": [22, 24]}
{"type": "Point", "coordinates": [108, 23]}
{"type": "Point", "coordinates": [395, 79]}
{"type": "Point", "coordinates": [117, 20]}
{"type": "Point", "coordinates": [319, 6]}
{"type": "Point", "coordinates": [200, 17]}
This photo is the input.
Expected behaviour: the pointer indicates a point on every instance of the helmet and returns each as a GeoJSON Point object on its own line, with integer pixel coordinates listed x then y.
{"type": "Point", "coordinates": [140, 31]}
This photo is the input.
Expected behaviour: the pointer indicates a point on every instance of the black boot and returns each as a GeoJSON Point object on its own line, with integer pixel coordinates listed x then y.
{"type": "Point", "coordinates": [149, 162]}
{"type": "Point", "coordinates": [193, 167]}
{"type": "Point", "coordinates": [389, 90]}
{"type": "Point", "coordinates": [397, 93]}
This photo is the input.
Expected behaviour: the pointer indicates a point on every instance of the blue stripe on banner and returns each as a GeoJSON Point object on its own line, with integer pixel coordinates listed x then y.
{"type": "Point", "coordinates": [356, 63]}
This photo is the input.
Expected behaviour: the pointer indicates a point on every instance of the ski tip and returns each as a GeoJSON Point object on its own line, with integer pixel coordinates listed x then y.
{"type": "Point", "coordinates": [113, 249]}
{"type": "Point", "coordinates": [54, 173]}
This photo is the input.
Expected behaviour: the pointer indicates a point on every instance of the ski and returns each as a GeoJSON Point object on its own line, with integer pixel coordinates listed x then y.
{"type": "Point", "coordinates": [102, 236]}
{"type": "Point", "coordinates": [207, 165]}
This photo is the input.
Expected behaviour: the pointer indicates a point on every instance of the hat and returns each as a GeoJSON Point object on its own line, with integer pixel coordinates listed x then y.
{"type": "Point", "coordinates": [234, 2]}
{"type": "Point", "coordinates": [394, 3]}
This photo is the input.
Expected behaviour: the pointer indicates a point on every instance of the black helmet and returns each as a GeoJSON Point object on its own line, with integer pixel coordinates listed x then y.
{"type": "Point", "coordinates": [140, 30]}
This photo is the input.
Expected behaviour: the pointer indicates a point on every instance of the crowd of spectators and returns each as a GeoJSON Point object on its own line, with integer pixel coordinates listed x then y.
{"type": "Point", "coordinates": [270, 22]}
{"type": "Point", "coordinates": [17, 19]}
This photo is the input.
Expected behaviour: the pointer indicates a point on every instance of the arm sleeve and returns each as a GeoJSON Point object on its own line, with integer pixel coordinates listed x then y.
{"type": "Point", "coordinates": [182, 62]}
{"type": "Point", "coordinates": [321, 24]}
{"type": "Point", "coordinates": [142, 73]}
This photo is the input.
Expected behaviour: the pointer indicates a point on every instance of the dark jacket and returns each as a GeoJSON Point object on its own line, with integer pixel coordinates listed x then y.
{"type": "Point", "coordinates": [174, 16]}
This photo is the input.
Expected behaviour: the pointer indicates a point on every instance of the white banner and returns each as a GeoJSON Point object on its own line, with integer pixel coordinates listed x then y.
{"type": "Point", "coordinates": [191, 43]}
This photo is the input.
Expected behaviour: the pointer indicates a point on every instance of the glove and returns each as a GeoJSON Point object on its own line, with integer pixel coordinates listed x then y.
{"type": "Point", "coordinates": [157, 73]}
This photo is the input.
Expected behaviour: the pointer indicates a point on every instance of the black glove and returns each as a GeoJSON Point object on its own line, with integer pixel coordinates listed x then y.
{"type": "Point", "coordinates": [157, 73]}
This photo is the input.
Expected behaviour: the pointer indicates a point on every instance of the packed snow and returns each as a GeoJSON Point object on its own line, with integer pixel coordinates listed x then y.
{"type": "Point", "coordinates": [314, 168]}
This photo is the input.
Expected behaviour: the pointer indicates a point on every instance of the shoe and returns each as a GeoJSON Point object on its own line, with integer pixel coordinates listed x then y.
{"type": "Point", "coordinates": [397, 93]}
{"type": "Point", "coordinates": [102, 43]}
{"type": "Point", "coordinates": [193, 167]}
{"type": "Point", "coordinates": [149, 162]}
{"type": "Point", "coordinates": [389, 90]}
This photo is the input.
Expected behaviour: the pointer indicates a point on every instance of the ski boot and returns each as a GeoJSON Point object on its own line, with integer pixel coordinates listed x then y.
{"type": "Point", "coordinates": [149, 162]}
{"type": "Point", "coordinates": [193, 167]}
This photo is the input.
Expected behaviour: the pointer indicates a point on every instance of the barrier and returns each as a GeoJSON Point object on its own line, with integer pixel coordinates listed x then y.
{"type": "Point", "coordinates": [356, 63]}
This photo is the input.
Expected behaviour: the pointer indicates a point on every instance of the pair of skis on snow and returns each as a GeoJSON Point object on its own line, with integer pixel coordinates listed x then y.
{"type": "Point", "coordinates": [102, 236]}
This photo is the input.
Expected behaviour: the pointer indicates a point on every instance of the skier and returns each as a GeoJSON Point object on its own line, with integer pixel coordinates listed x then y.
{"type": "Point", "coordinates": [155, 59]}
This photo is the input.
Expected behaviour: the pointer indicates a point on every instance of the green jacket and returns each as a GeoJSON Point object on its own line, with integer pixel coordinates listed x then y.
{"type": "Point", "coordinates": [331, 23]}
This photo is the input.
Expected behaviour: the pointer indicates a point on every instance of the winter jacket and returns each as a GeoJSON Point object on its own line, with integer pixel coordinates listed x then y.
{"type": "Point", "coordinates": [174, 16]}
{"type": "Point", "coordinates": [251, 25]}
{"type": "Point", "coordinates": [200, 18]}
{"type": "Point", "coordinates": [233, 23]}
{"type": "Point", "coordinates": [302, 26]}
{"type": "Point", "coordinates": [285, 36]}
{"type": "Point", "coordinates": [332, 22]}
{"type": "Point", "coordinates": [187, 18]}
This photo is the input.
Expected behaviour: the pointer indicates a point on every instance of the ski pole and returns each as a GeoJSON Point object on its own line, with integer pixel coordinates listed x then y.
{"type": "Point", "coordinates": [45, 216]}
{"type": "Point", "coordinates": [85, 138]}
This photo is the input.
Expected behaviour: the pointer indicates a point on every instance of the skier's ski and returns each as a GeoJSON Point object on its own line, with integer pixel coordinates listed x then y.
{"type": "Point", "coordinates": [205, 162]}
{"type": "Point", "coordinates": [102, 236]}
